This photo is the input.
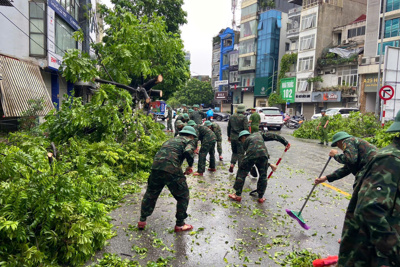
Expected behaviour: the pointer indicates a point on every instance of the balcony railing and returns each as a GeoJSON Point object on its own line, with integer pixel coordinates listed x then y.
{"type": "Point", "coordinates": [292, 33]}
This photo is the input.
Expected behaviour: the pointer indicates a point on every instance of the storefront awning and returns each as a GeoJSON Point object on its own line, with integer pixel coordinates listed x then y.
{"type": "Point", "coordinates": [20, 82]}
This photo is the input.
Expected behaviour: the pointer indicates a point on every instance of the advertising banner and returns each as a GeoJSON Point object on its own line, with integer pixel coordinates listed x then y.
{"type": "Point", "coordinates": [331, 96]}
{"type": "Point", "coordinates": [288, 89]}
{"type": "Point", "coordinates": [221, 95]}
{"type": "Point", "coordinates": [263, 86]}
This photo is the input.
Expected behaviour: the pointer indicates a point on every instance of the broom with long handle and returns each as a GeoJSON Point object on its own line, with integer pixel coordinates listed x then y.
{"type": "Point", "coordinates": [297, 215]}
{"type": "Point", "coordinates": [254, 172]}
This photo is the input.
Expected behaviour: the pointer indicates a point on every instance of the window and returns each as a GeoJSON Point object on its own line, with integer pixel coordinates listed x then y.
{"type": "Point", "coordinates": [215, 70]}
{"type": "Point", "coordinates": [247, 63]}
{"type": "Point", "coordinates": [248, 28]}
{"type": "Point", "coordinates": [64, 38]}
{"type": "Point", "coordinates": [247, 47]}
{"type": "Point", "coordinates": [309, 21]}
{"type": "Point", "coordinates": [71, 6]}
{"type": "Point", "coordinates": [305, 63]}
{"type": "Point", "coordinates": [392, 43]}
{"type": "Point", "coordinates": [348, 76]}
{"type": "Point", "coordinates": [225, 59]}
{"type": "Point", "coordinates": [36, 29]}
{"type": "Point", "coordinates": [216, 56]}
{"type": "Point", "coordinates": [234, 77]}
{"type": "Point", "coordinates": [356, 32]}
{"type": "Point", "coordinates": [307, 42]}
{"type": "Point", "coordinates": [225, 74]}
{"type": "Point", "coordinates": [287, 46]}
{"type": "Point", "coordinates": [392, 28]}
{"type": "Point", "coordinates": [234, 59]}
{"type": "Point", "coordinates": [247, 80]}
{"type": "Point", "coordinates": [302, 85]}
{"type": "Point", "coordinates": [392, 5]}
{"type": "Point", "coordinates": [249, 11]}
{"type": "Point", "coordinates": [227, 42]}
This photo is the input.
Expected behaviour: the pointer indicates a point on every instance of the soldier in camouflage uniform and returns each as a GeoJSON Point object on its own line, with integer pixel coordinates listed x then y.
{"type": "Point", "coordinates": [256, 154]}
{"type": "Point", "coordinates": [179, 126]}
{"type": "Point", "coordinates": [371, 231]}
{"type": "Point", "coordinates": [254, 120]}
{"type": "Point", "coordinates": [183, 118]}
{"type": "Point", "coordinates": [169, 119]}
{"type": "Point", "coordinates": [167, 171]}
{"type": "Point", "coordinates": [218, 133]}
{"type": "Point", "coordinates": [197, 115]}
{"type": "Point", "coordinates": [356, 154]}
{"type": "Point", "coordinates": [237, 123]}
{"type": "Point", "coordinates": [323, 123]}
{"type": "Point", "coordinates": [184, 108]}
{"type": "Point", "coordinates": [208, 139]}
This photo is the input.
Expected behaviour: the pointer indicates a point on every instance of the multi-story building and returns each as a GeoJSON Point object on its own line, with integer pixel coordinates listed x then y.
{"type": "Point", "coordinates": [38, 33]}
{"type": "Point", "coordinates": [369, 66]}
{"type": "Point", "coordinates": [215, 63]}
{"type": "Point", "coordinates": [234, 77]}
{"type": "Point", "coordinates": [317, 23]}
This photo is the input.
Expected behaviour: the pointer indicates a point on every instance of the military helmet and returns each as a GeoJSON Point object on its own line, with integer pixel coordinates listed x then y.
{"type": "Point", "coordinates": [186, 116]}
{"type": "Point", "coordinates": [180, 123]}
{"type": "Point", "coordinates": [191, 123]}
{"type": "Point", "coordinates": [339, 136]}
{"type": "Point", "coordinates": [244, 132]}
{"type": "Point", "coordinates": [191, 110]}
{"type": "Point", "coordinates": [395, 127]}
{"type": "Point", "coordinates": [195, 106]}
{"type": "Point", "coordinates": [241, 108]}
{"type": "Point", "coordinates": [183, 105]}
{"type": "Point", "coordinates": [208, 123]}
{"type": "Point", "coordinates": [323, 110]}
{"type": "Point", "coordinates": [189, 130]}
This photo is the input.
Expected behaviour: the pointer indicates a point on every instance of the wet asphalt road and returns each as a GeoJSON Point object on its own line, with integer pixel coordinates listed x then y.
{"type": "Point", "coordinates": [245, 234]}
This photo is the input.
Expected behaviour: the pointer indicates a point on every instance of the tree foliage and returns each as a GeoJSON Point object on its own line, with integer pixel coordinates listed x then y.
{"type": "Point", "coordinates": [54, 202]}
{"type": "Point", "coordinates": [195, 92]}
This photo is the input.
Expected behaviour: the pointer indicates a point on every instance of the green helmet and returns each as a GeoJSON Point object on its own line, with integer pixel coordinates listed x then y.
{"type": "Point", "coordinates": [191, 110]}
{"type": "Point", "coordinates": [339, 136]}
{"type": "Point", "coordinates": [244, 132]}
{"type": "Point", "coordinates": [183, 105]}
{"type": "Point", "coordinates": [191, 123]}
{"type": "Point", "coordinates": [180, 123]}
{"type": "Point", "coordinates": [168, 106]}
{"type": "Point", "coordinates": [189, 130]}
{"type": "Point", "coordinates": [186, 116]}
{"type": "Point", "coordinates": [395, 127]}
{"type": "Point", "coordinates": [195, 106]}
{"type": "Point", "coordinates": [208, 123]}
{"type": "Point", "coordinates": [241, 108]}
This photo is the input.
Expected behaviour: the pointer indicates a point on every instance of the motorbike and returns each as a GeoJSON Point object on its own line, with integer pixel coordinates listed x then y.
{"type": "Point", "coordinates": [294, 122]}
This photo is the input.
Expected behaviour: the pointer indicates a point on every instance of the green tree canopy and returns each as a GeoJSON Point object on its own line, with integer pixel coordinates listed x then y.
{"type": "Point", "coordinates": [195, 92]}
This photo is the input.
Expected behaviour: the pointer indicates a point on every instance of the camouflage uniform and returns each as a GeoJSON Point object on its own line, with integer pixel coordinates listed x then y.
{"type": "Point", "coordinates": [169, 122]}
{"type": "Point", "coordinates": [180, 117]}
{"type": "Point", "coordinates": [255, 122]}
{"type": "Point", "coordinates": [237, 123]}
{"type": "Point", "coordinates": [356, 154]}
{"type": "Point", "coordinates": [167, 171]}
{"type": "Point", "coordinates": [208, 139]}
{"type": "Point", "coordinates": [322, 131]}
{"type": "Point", "coordinates": [256, 154]}
{"type": "Point", "coordinates": [197, 116]}
{"type": "Point", "coordinates": [371, 229]}
{"type": "Point", "coordinates": [218, 133]}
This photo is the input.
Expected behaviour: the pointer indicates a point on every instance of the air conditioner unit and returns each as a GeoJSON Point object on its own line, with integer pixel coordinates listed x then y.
{"type": "Point", "coordinates": [320, 72]}
{"type": "Point", "coordinates": [346, 42]}
{"type": "Point", "coordinates": [376, 59]}
{"type": "Point", "coordinates": [333, 71]}
{"type": "Point", "coordinates": [366, 60]}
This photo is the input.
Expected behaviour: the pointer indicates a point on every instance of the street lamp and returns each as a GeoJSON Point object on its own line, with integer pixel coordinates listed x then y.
{"type": "Point", "coordinates": [273, 70]}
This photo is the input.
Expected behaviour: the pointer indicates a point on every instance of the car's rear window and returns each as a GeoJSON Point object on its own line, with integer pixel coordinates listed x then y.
{"type": "Point", "coordinates": [271, 112]}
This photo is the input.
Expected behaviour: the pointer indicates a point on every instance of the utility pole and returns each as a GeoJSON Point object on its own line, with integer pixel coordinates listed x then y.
{"type": "Point", "coordinates": [379, 84]}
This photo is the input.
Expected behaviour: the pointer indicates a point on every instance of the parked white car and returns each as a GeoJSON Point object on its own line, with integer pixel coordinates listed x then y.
{"type": "Point", "coordinates": [333, 111]}
{"type": "Point", "coordinates": [271, 117]}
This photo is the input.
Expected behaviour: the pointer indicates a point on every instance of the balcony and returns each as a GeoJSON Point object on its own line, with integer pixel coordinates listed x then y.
{"type": "Point", "coordinates": [292, 33]}
{"type": "Point", "coordinates": [294, 12]}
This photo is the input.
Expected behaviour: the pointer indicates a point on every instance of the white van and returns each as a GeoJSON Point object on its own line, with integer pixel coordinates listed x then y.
{"type": "Point", "coordinates": [272, 117]}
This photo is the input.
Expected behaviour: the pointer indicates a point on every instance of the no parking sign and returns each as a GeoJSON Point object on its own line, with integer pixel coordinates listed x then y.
{"type": "Point", "coordinates": [385, 93]}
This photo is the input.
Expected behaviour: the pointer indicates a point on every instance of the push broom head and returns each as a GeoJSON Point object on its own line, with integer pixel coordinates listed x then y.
{"type": "Point", "coordinates": [295, 215]}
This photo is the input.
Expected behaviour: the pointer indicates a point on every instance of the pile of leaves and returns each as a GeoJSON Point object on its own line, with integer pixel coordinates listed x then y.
{"type": "Point", "coordinates": [302, 258]}
{"type": "Point", "coordinates": [357, 124]}
{"type": "Point", "coordinates": [115, 261]}
{"type": "Point", "coordinates": [57, 187]}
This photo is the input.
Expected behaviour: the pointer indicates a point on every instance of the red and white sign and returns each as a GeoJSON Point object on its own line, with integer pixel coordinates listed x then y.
{"type": "Point", "coordinates": [386, 92]}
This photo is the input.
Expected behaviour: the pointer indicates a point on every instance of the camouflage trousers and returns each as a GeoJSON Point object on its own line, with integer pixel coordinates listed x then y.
{"type": "Point", "coordinates": [206, 148]}
{"type": "Point", "coordinates": [237, 151]}
{"type": "Point", "coordinates": [244, 169]}
{"type": "Point", "coordinates": [255, 128]}
{"type": "Point", "coordinates": [169, 125]}
{"type": "Point", "coordinates": [324, 135]}
{"type": "Point", "coordinates": [178, 187]}
{"type": "Point", "coordinates": [219, 147]}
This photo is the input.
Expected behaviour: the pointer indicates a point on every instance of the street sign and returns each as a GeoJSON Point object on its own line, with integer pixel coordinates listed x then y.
{"type": "Point", "coordinates": [221, 95]}
{"type": "Point", "coordinates": [223, 82]}
{"type": "Point", "coordinates": [386, 92]}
